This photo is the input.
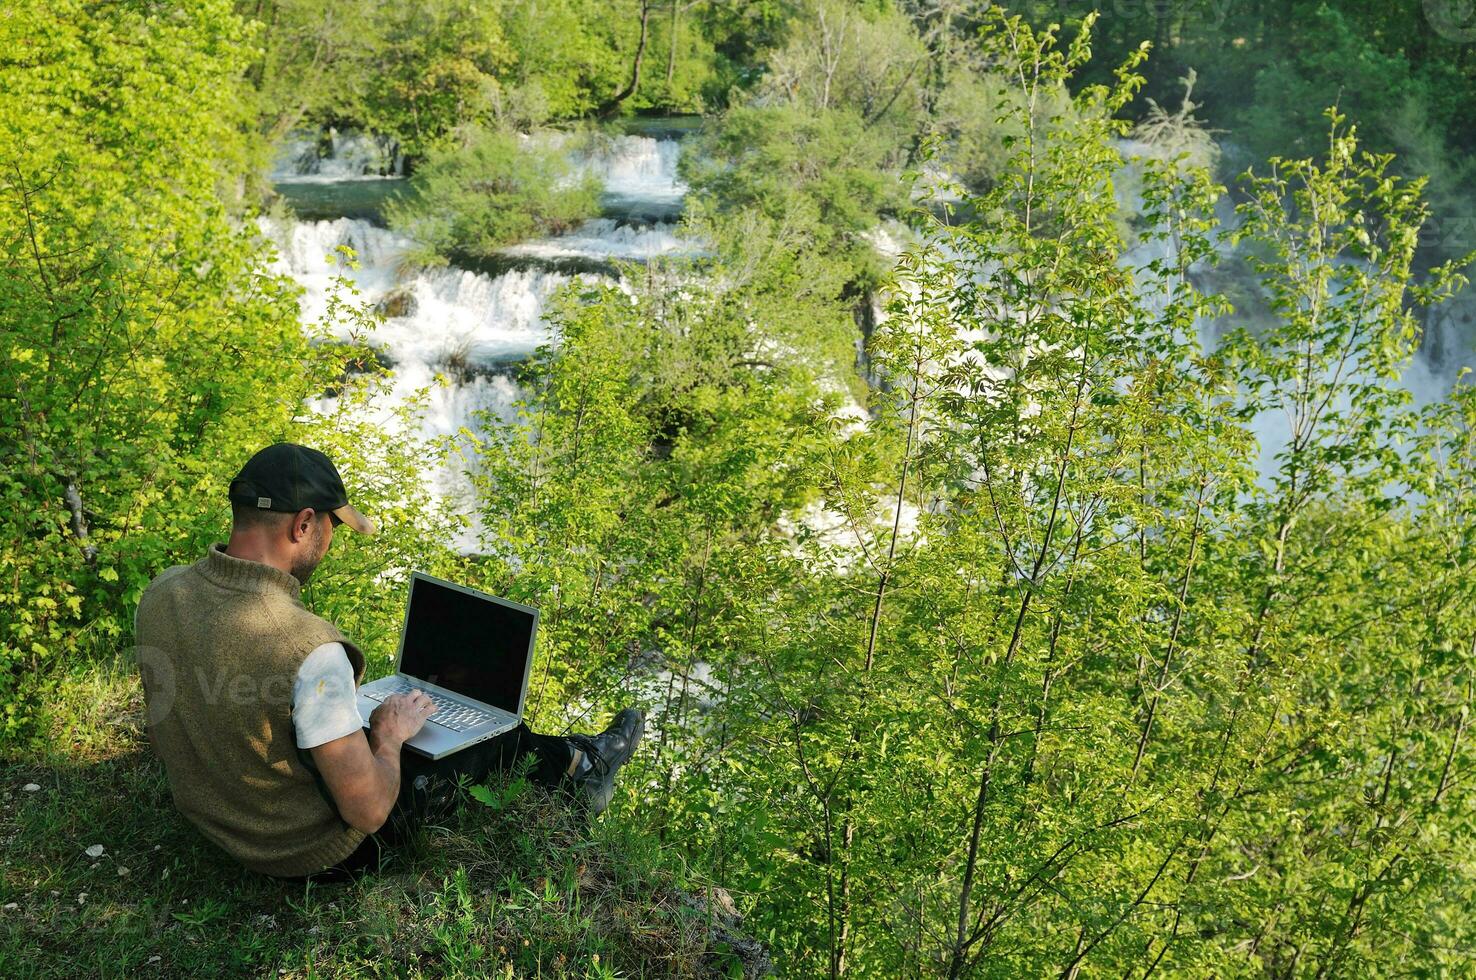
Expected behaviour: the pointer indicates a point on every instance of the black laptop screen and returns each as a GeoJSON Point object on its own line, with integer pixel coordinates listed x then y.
{"type": "Point", "coordinates": [466, 644]}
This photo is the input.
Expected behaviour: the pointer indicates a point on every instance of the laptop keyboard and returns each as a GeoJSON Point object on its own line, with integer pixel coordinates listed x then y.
{"type": "Point", "coordinates": [458, 716]}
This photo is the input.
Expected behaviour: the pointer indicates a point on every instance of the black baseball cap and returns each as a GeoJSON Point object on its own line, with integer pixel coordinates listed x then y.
{"type": "Point", "coordinates": [287, 477]}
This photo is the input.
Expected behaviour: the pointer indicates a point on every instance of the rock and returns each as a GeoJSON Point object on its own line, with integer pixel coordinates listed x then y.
{"type": "Point", "coordinates": [399, 302]}
{"type": "Point", "coordinates": [725, 926]}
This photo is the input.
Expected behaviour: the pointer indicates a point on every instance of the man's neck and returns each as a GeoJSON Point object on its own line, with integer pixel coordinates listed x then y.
{"type": "Point", "coordinates": [251, 547]}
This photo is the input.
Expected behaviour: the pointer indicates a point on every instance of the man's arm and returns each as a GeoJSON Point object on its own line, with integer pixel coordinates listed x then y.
{"type": "Point", "coordinates": [363, 774]}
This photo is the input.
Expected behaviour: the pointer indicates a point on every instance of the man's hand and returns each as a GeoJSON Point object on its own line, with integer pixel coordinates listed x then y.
{"type": "Point", "coordinates": [363, 775]}
{"type": "Point", "coordinates": [400, 716]}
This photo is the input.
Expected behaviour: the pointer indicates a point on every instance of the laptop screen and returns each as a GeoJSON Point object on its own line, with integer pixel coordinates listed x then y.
{"type": "Point", "coordinates": [468, 643]}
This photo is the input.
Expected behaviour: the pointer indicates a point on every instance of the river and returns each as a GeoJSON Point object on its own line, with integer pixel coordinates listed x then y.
{"type": "Point", "coordinates": [473, 325]}
{"type": "Point", "coordinates": [476, 324]}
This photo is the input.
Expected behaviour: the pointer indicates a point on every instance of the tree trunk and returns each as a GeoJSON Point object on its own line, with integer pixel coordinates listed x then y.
{"type": "Point", "coordinates": [671, 43]}
{"type": "Point", "coordinates": [609, 107]}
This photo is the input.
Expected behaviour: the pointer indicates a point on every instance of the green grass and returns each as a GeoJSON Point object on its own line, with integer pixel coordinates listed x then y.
{"type": "Point", "coordinates": [521, 888]}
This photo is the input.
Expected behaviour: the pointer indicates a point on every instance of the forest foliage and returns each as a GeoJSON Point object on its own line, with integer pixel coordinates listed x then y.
{"type": "Point", "coordinates": [491, 189]}
{"type": "Point", "coordinates": [1087, 649]}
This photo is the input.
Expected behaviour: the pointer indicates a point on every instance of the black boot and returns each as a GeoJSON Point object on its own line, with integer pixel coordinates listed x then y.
{"type": "Point", "coordinates": [604, 753]}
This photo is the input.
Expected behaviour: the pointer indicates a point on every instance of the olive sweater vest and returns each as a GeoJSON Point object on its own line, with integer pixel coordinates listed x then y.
{"type": "Point", "coordinates": [219, 646]}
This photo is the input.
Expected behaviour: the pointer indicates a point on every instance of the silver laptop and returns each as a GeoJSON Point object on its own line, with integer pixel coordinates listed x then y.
{"type": "Point", "coordinates": [471, 653]}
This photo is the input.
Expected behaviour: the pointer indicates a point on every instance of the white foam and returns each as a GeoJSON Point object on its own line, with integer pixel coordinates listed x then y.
{"type": "Point", "coordinates": [636, 167]}
{"type": "Point", "coordinates": [453, 312]}
{"type": "Point", "coordinates": [350, 156]}
{"type": "Point", "coordinates": [605, 238]}
{"type": "Point", "coordinates": [456, 323]}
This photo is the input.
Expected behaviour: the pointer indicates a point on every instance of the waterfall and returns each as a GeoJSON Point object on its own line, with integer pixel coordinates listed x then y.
{"type": "Point", "coordinates": [639, 175]}
{"type": "Point", "coordinates": [637, 167]}
{"type": "Point", "coordinates": [607, 238]}
{"type": "Point", "coordinates": [443, 318]}
{"type": "Point", "coordinates": [333, 156]}
{"type": "Point", "coordinates": [469, 326]}
{"type": "Point", "coordinates": [465, 325]}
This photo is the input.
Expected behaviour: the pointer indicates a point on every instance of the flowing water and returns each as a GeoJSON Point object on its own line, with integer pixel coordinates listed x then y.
{"type": "Point", "coordinates": [471, 325]}
{"type": "Point", "coordinates": [1444, 348]}
{"type": "Point", "coordinates": [333, 156]}
{"type": "Point", "coordinates": [474, 322]}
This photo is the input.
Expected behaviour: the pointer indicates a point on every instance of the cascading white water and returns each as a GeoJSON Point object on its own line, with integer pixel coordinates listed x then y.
{"type": "Point", "coordinates": [307, 157]}
{"type": "Point", "coordinates": [447, 321]}
{"type": "Point", "coordinates": [449, 314]}
{"type": "Point", "coordinates": [639, 168]}
{"type": "Point", "coordinates": [466, 325]}
{"type": "Point", "coordinates": [606, 238]}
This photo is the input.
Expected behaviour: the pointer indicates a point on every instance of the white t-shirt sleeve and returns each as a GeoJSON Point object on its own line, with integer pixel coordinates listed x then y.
{"type": "Point", "coordinates": [325, 705]}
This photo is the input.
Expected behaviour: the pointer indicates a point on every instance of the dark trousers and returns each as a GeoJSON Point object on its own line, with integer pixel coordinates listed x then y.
{"type": "Point", "coordinates": [428, 788]}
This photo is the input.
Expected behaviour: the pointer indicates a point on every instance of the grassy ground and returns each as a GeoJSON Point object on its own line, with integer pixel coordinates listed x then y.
{"type": "Point", "coordinates": [518, 888]}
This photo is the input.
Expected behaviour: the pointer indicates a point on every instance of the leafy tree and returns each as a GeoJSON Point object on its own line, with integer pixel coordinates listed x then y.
{"type": "Point", "coordinates": [437, 66]}
{"type": "Point", "coordinates": [822, 173]}
{"type": "Point", "coordinates": [568, 51]}
{"type": "Point", "coordinates": [853, 56]}
{"type": "Point", "coordinates": [133, 325]}
{"type": "Point", "coordinates": [145, 352]}
{"type": "Point", "coordinates": [309, 65]}
{"type": "Point", "coordinates": [490, 189]}
{"type": "Point", "coordinates": [1113, 703]}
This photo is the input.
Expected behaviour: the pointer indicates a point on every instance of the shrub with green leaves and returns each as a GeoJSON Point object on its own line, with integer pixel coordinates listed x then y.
{"type": "Point", "coordinates": [139, 345]}
{"type": "Point", "coordinates": [1091, 674]}
{"type": "Point", "coordinates": [489, 189]}
{"type": "Point", "coordinates": [821, 173]}
{"type": "Point", "coordinates": [146, 353]}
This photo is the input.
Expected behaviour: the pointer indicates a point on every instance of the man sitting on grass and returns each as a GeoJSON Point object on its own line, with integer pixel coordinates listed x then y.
{"type": "Point", "coordinates": [252, 704]}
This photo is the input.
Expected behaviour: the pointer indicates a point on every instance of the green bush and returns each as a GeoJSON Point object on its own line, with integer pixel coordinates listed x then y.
{"type": "Point", "coordinates": [139, 348]}
{"type": "Point", "coordinates": [1067, 688]}
{"type": "Point", "coordinates": [821, 174]}
{"type": "Point", "coordinates": [145, 354]}
{"type": "Point", "coordinates": [489, 189]}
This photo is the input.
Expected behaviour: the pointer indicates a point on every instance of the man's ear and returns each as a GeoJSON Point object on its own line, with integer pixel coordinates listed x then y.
{"type": "Point", "coordinates": [302, 524]}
